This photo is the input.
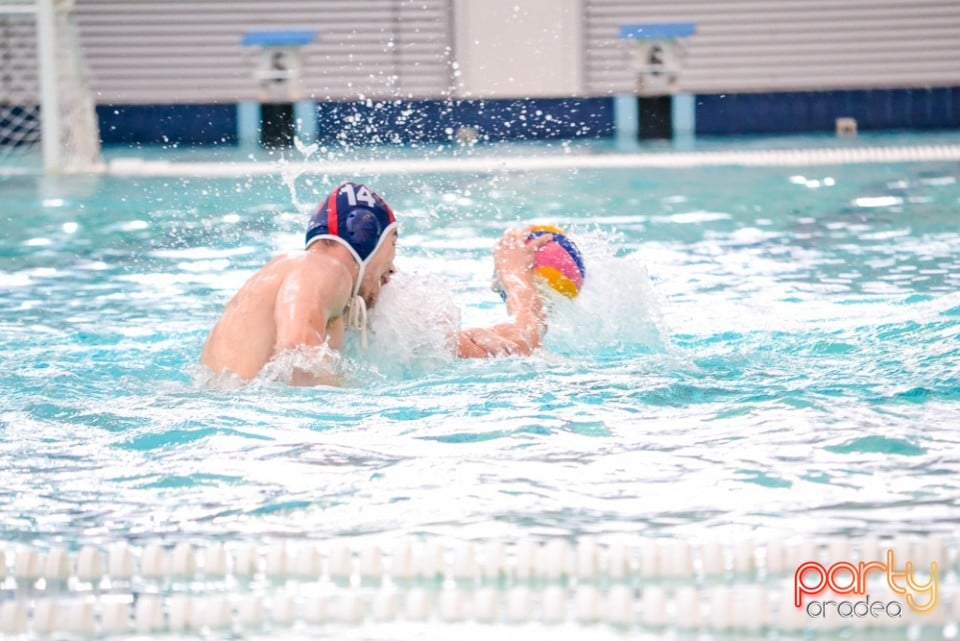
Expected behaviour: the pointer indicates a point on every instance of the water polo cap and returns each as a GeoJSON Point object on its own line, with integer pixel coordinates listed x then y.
{"type": "Point", "coordinates": [359, 219]}
{"type": "Point", "coordinates": [356, 217]}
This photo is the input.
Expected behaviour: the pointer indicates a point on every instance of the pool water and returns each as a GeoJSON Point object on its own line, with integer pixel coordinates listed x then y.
{"type": "Point", "coordinates": [763, 350]}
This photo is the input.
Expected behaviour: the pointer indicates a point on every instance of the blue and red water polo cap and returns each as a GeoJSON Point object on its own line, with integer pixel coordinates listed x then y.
{"type": "Point", "coordinates": [354, 215]}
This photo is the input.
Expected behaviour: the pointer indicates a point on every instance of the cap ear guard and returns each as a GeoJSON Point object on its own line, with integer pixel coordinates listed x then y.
{"type": "Point", "coordinates": [362, 230]}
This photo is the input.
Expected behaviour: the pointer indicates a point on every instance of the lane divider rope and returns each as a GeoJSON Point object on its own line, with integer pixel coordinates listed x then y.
{"type": "Point", "coordinates": [654, 583]}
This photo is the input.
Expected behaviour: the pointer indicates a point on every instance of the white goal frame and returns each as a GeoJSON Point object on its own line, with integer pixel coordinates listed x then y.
{"type": "Point", "coordinates": [69, 137]}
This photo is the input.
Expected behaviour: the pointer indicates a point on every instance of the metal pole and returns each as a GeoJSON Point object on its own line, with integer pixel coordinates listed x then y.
{"type": "Point", "coordinates": [49, 94]}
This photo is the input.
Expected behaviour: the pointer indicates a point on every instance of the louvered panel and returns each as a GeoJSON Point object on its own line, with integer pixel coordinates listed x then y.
{"type": "Point", "coordinates": [424, 48]}
{"type": "Point", "coordinates": [179, 51]}
{"type": "Point", "coordinates": [760, 45]}
{"type": "Point", "coordinates": [19, 84]}
{"type": "Point", "coordinates": [773, 13]}
{"type": "Point", "coordinates": [836, 33]}
{"type": "Point", "coordinates": [143, 51]}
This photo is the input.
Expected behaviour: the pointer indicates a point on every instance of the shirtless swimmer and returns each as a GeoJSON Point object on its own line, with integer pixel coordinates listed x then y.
{"type": "Point", "coordinates": [308, 300]}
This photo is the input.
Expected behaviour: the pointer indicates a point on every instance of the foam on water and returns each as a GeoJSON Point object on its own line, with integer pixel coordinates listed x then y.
{"type": "Point", "coordinates": [320, 362]}
{"type": "Point", "coordinates": [617, 306]}
{"type": "Point", "coordinates": [415, 323]}
{"type": "Point", "coordinates": [413, 327]}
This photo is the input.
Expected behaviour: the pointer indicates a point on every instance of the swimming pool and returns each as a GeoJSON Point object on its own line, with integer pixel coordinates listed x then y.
{"type": "Point", "coordinates": [759, 352]}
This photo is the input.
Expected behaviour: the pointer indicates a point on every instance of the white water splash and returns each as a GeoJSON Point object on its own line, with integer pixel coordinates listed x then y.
{"type": "Point", "coordinates": [321, 363]}
{"type": "Point", "coordinates": [617, 305]}
{"type": "Point", "coordinates": [290, 172]}
{"type": "Point", "coordinates": [413, 327]}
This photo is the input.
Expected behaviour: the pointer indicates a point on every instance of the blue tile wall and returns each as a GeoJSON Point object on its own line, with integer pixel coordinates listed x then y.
{"type": "Point", "coordinates": [391, 122]}
{"type": "Point", "coordinates": [212, 124]}
{"type": "Point", "coordinates": [812, 111]}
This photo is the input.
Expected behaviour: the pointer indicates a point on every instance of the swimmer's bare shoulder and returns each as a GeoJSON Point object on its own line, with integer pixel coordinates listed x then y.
{"type": "Point", "coordinates": [292, 302]}
{"type": "Point", "coordinates": [310, 302]}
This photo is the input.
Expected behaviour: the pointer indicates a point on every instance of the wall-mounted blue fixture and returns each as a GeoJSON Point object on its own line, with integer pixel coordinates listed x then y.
{"type": "Point", "coordinates": [278, 72]}
{"type": "Point", "coordinates": [657, 60]}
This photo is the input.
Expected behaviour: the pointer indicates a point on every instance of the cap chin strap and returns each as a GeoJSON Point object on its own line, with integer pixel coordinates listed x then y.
{"type": "Point", "coordinates": [357, 318]}
{"type": "Point", "coordinates": [357, 308]}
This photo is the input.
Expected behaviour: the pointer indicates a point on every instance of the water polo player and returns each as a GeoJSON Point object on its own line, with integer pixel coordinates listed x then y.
{"type": "Point", "coordinates": [305, 302]}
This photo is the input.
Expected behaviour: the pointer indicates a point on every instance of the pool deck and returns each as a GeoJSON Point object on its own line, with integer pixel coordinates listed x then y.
{"type": "Point", "coordinates": [668, 159]}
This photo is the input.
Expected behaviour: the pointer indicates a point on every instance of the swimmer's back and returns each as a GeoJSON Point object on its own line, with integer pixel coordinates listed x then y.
{"type": "Point", "coordinates": [245, 337]}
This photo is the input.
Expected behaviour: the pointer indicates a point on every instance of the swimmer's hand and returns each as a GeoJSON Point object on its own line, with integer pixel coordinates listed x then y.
{"type": "Point", "coordinates": [513, 259]}
{"type": "Point", "coordinates": [514, 255]}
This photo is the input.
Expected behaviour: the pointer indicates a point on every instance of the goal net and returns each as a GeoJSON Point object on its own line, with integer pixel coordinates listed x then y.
{"type": "Point", "coordinates": [46, 107]}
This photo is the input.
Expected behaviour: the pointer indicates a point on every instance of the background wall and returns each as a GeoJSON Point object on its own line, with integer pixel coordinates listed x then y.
{"type": "Point", "coordinates": [188, 51]}
{"type": "Point", "coordinates": [518, 48]}
{"type": "Point", "coordinates": [766, 45]}
{"type": "Point", "coordinates": [147, 51]}
{"type": "Point", "coordinates": [175, 70]}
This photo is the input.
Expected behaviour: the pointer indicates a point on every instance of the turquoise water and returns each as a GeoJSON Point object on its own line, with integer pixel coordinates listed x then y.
{"type": "Point", "coordinates": [757, 350]}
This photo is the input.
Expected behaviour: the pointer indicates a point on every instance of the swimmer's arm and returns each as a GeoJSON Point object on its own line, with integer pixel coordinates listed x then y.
{"type": "Point", "coordinates": [522, 335]}
{"type": "Point", "coordinates": [301, 315]}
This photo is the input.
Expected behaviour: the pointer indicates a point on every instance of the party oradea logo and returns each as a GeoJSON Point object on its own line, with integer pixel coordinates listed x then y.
{"type": "Point", "coordinates": [910, 590]}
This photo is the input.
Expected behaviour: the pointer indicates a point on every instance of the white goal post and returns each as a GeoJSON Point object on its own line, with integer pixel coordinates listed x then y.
{"type": "Point", "coordinates": [45, 98]}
